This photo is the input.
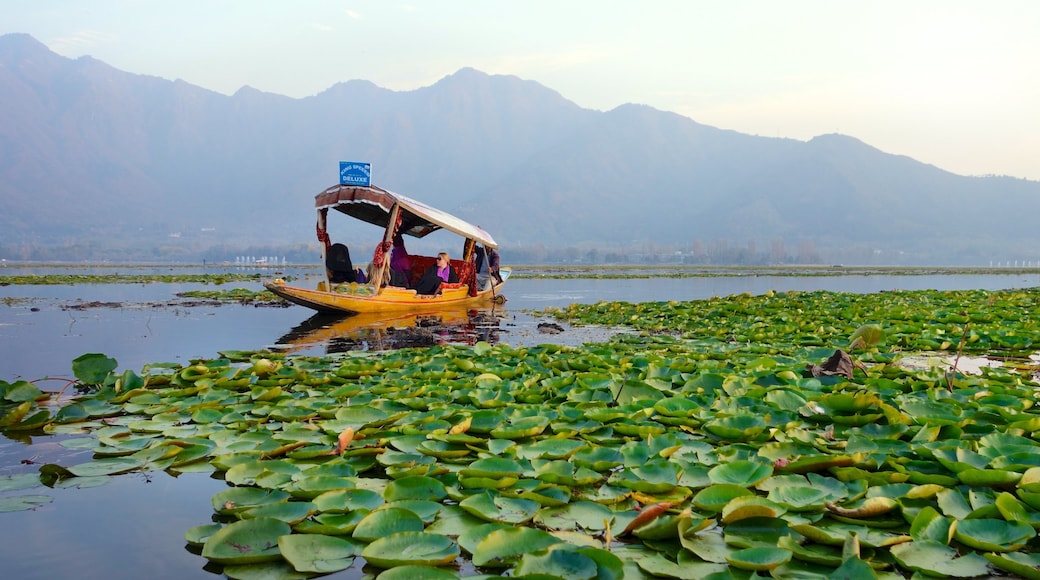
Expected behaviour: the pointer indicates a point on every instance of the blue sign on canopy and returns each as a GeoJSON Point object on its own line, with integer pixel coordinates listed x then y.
{"type": "Point", "coordinates": [355, 173]}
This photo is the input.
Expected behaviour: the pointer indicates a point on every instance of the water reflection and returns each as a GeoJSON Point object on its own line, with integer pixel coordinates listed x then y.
{"type": "Point", "coordinates": [332, 333]}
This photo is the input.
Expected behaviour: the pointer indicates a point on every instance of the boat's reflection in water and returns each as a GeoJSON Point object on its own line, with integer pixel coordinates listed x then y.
{"type": "Point", "coordinates": [332, 333]}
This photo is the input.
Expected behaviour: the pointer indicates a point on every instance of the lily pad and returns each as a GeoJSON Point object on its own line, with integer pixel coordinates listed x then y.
{"type": "Point", "coordinates": [411, 548]}
{"type": "Point", "coordinates": [383, 522]}
{"type": "Point", "coordinates": [246, 542]}
{"type": "Point", "coordinates": [504, 547]}
{"type": "Point", "coordinates": [317, 553]}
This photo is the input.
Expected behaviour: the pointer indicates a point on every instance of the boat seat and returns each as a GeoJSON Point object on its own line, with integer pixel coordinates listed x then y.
{"type": "Point", "coordinates": [465, 271]}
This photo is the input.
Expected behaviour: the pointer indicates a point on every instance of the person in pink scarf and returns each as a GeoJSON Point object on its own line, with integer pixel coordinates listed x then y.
{"type": "Point", "coordinates": [400, 263]}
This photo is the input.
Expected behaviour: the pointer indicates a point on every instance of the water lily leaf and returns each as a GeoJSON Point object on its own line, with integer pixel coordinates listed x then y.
{"type": "Point", "coordinates": [290, 512]}
{"type": "Point", "coordinates": [413, 572]}
{"type": "Point", "coordinates": [988, 477]}
{"type": "Point", "coordinates": [498, 508]}
{"type": "Point", "coordinates": [677, 407]}
{"type": "Point", "coordinates": [741, 472]}
{"type": "Point", "coordinates": [416, 487]}
{"type": "Point", "coordinates": [760, 558]}
{"type": "Point", "coordinates": [993, 535]}
{"type": "Point", "coordinates": [19, 481]}
{"type": "Point", "coordinates": [597, 458]}
{"type": "Point", "coordinates": [736, 428]}
{"type": "Point", "coordinates": [280, 570]}
{"type": "Point", "coordinates": [521, 428]}
{"type": "Point", "coordinates": [658, 566]}
{"type": "Point", "coordinates": [657, 477]}
{"type": "Point", "coordinates": [335, 524]}
{"type": "Point", "coordinates": [411, 548]}
{"type": "Point", "coordinates": [505, 547]}
{"type": "Point", "coordinates": [426, 510]}
{"type": "Point", "coordinates": [811, 552]}
{"type": "Point", "coordinates": [750, 506]}
{"type": "Point", "coordinates": [799, 498]}
{"type": "Point", "coordinates": [22, 391]}
{"type": "Point", "coordinates": [1013, 510]}
{"type": "Point", "coordinates": [247, 472]}
{"type": "Point", "coordinates": [107, 466]}
{"type": "Point", "coordinates": [236, 499]}
{"type": "Point", "coordinates": [198, 535]}
{"type": "Point", "coordinates": [346, 500]}
{"type": "Point", "coordinates": [19, 503]}
{"type": "Point", "coordinates": [930, 525]}
{"type": "Point", "coordinates": [583, 515]}
{"type": "Point", "coordinates": [550, 449]}
{"type": "Point", "coordinates": [93, 368]}
{"type": "Point", "coordinates": [558, 563]}
{"type": "Point", "coordinates": [935, 559]}
{"type": "Point", "coordinates": [564, 473]}
{"type": "Point", "coordinates": [246, 541]}
{"type": "Point", "coordinates": [383, 522]}
{"type": "Point", "coordinates": [318, 553]}
{"type": "Point", "coordinates": [546, 494]}
{"type": "Point", "coordinates": [474, 534]}
{"type": "Point", "coordinates": [443, 450]}
{"type": "Point", "coordinates": [311, 486]}
{"type": "Point", "coordinates": [1024, 565]}
{"type": "Point", "coordinates": [493, 467]}
{"type": "Point", "coordinates": [715, 497]}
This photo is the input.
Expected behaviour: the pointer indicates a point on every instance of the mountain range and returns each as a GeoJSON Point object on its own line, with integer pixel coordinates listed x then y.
{"type": "Point", "coordinates": [98, 163]}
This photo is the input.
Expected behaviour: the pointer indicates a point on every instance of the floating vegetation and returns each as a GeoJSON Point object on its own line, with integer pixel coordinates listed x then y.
{"type": "Point", "coordinates": [981, 321]}
{"type": "Point", "coordinates": [610, 272]}
{"type": "Point", "coordinates": [738, 446]}
{"type": "Point", "coordinates": [238, 295]}
{"type": "Point", "coordinates": [70, 279]}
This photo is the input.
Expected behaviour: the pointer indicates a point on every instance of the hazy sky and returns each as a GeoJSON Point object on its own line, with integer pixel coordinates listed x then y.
{"type": "Point", "coordinates": [954, 83]}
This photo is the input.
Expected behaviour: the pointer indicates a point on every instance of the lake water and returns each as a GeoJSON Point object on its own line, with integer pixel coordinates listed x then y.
{"type": "Point", "coordinates": [134, 526]}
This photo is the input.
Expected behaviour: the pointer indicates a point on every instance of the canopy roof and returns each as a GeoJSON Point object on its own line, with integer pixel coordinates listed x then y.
{"type": "Point", "coordinates": [373, 204]}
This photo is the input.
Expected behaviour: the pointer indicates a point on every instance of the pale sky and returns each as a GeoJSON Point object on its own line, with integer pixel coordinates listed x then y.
{"type": "Point", "coordinates": [953, 83]}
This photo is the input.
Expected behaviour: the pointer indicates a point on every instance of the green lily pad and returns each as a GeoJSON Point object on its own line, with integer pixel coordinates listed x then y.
{"type": "Point", "coordinates": [413, 572]}
{"type": "Point", "coordinates": [415, 487]}
{"type": "Point", "coordinates": [497, 508]}
{"type": "Point", "coordinates": [558, 563]}
{"type": "Point", "coordinates": [411, 548]}
{"type": "Point", "coordinates": [246, 542]}
{"type": "Point", "coordinates": [236, 499]}
{"type": "Point", "coordinates": [758, 559]}
{"type": "Point", "coordinates": [715, 497]}
{"type": "Point", "coordinates": [332, 523]}
{"type": "Point", "coordinates": [318, 553]}
{"type": "Point", "coordinates": [579, 515]}
{"type": "Point", "coordinates": [937, 559]}
{"type": "Point", "coordinates": [750, 506]}
{"type": "Point", "coordinates": [799, 497]}
{"type": "Point", "coordinates": [741, 472]}
{"type": "Point", "coordinates": [19, 481]}
{"type": "Point", "coordinates": [19, 503]}
{"type": "Point", "coordinates": [736, 428]}
{"type": "Point", "coordinates": [346, 500]}
{"type": "Point", "coordinates": [503, 548]}
{"type": "Point", "coordinates": [1024, 565]}
{"type": "Point", "coordinates": [993, 535]}
{"type": "Point", "coordinates": [521, 428]}
{"type": "Point", "coordinates": [383, 522]}
{"type": "Point", "coordinates": [290, 512]}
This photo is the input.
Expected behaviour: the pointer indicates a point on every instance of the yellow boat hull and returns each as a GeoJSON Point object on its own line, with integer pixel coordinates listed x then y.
{"type": "Point", "coordinates": [363, 298]}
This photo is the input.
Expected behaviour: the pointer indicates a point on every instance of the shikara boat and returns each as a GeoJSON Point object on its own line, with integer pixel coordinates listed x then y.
{"type": "Point", "coordinates": [397, 214]}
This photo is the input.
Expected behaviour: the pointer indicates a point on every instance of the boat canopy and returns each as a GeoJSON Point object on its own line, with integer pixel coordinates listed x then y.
{"type": "Point", "coordinates": [374, 205]}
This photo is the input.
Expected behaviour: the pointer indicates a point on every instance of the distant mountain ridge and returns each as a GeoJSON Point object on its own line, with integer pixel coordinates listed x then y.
{"type": "Point", "coordinates": [104, 162]}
